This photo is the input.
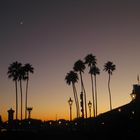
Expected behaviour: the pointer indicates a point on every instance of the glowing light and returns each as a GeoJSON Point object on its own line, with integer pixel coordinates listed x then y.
{"type": "Point", "coordinates": [75, 123]}
{"type": "Point", "coordinates": [119, 110]}
{"type": "Point", "coordinates": [102, 123]}
{"type": "Point", "coordinates": [21, 23]}
{"type": "Point", "coordinates": [133, 112]}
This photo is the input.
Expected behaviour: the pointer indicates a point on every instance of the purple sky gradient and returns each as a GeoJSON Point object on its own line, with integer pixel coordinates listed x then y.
{"type": "Point", "coordinates": [53, 34]}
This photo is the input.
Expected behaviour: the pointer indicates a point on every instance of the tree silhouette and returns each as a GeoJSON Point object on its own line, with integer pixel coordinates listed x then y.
{"type": "Point", "coordinates": [109, 67]}
{"type": "Point", "coordinates": [94, 71]}
{"type": "Point", "coordinates": [79, 66]}
{"type": "Point", "coordinates": [21, 76]}
{"type": "Point", "coordinates": [28, 69]}
{"type": "Point", "coordinates": [13, 73]}
{"type": "Point", "coordinates": [72, 78]}
{"type": "Point", "coordinates": [90, 60]}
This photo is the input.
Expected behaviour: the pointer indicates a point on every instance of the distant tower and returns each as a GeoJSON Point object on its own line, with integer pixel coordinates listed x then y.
{"type": "Point", "coordinates": [29, 109]}
{"type": "Point", "coordinates": [10, 115]}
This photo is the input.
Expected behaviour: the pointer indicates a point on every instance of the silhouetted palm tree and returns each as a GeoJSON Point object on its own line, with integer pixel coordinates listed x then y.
{"type": "Point", "coordinates": [80, 67]}
{"type": "Point", "coordinates": [21, 76]}
{"type": "Point", "coordinates": [28, 69]}
{"type": "Point", "coordinates": [94, 71]}
{"type": "Point", "coordinates": [109, 67]}
{"type": "Point", "coordinates": [72, 78]}
{"type": "Point", "coordinates": [90, 60]}
{"type": "Point", "coordinates": [13, 73]}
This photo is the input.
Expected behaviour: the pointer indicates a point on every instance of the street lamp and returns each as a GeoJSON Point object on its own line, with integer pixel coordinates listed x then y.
{"type": "Point", "coordinates": [70, 101]}
{"type": "Point", "coordinates": [89, 105]}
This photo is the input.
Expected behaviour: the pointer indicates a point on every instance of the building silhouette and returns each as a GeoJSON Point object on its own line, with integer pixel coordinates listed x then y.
{"type": "Point", "coordinates": [10, 115]}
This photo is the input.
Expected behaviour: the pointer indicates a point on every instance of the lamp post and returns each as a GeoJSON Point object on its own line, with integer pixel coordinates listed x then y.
{"type": "Point", "coordinates": [89, 105]}
{"type": "Point", "coordinates": [70, 101]}
{"type": "Point", "coordinates": [82, 104]}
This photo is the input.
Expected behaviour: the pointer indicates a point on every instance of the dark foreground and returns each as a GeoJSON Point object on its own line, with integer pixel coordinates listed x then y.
{"type": "Point", "coordinates": [120, 123]}
{"type": "Point", "coordinates": [71, 135]}
{"type": "Point", "coordinates": [102, 127]}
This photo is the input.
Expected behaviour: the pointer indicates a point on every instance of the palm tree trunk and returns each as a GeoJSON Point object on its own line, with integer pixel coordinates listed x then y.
{"type": "Point", "coordinates": [93, 98]}
{"type": "Point", "coordinates": [109, 92]}
{"type": "Point", "coordinates": [85, 101]}
{"type": "Point", "coordinates": [75, 100]}
{"type": "Point", "coordinates": [16, 100]}
{"type": "Point", "coordinates": [96, 95]}
{"type": "Point", "coordinates": [78, 109]}
{"type": "Point", "coordinates": [21, 98]}
{"type": "Point", "coordinates": [83, 89]}
{"type": "Point", "coordinates": [26, 98]}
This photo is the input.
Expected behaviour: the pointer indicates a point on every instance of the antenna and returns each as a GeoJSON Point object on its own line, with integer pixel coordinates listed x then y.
{"type": "Point", "coordinates": [138, 79]}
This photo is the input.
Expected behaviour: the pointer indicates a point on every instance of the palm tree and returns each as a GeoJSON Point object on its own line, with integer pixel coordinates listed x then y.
{"type": "Point", "coordinates": [72, 78]}
{"type": "Point", "coordinates": [94, 71]}
{"type": "Point", "coordinates": [79, 66]}
{"type": "Point", "coordinates": [13, 71]}
{"type": "Point", "coordinates": [109, 67]}
{"type": "Point", "coordinates": [28, 69]}
{"type": "Point", "coordinates": [21, 76]}
{"type": "Point", "coordinates": [90, 60]}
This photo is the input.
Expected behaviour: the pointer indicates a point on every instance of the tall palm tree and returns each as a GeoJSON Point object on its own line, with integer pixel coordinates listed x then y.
{"type": "Point", "coordinates": [13, 71]}
{"type": "Point", "coordinates": [21, 76]}
{"type": "Point", "coordinates": [28, 69]}
{"type": "Point", "coordinates": [79, 66]}
{"type": "Point", "coordinates": [94, 71]}
{"type": "Point", "coordinates": [109, 67]}
{"type": "Point", "coordinates": [90, 60]}
{"type": "Point", "coordinates": [72, 78]}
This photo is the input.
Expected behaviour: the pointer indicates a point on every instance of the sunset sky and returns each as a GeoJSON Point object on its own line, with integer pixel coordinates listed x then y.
{"type": "Point", "coordinates": [52, 35]}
